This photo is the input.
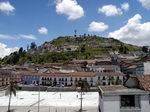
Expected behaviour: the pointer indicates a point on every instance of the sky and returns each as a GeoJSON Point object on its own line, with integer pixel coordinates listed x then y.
{"type": "Point", "coordinates": [26, 21]}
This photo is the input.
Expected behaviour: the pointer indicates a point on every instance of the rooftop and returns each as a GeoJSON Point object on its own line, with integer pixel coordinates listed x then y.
{"type": "Point", "coordinates": [144, 81]}
{"type": "Point", "coordinates": [120, 90]}
{"type": "Point", "coordinates": [110, 74]}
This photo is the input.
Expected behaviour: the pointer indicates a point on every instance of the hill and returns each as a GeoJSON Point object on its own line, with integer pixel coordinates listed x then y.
{"type": "Point", "coordinates": [66, 48]}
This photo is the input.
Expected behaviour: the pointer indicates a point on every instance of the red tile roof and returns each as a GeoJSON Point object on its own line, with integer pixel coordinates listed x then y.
{"type": "Point", "coordinates": [144, 81]}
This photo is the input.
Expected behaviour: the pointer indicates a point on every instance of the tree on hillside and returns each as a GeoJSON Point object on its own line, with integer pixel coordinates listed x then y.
{"type": "Point", "coordinates": [33, 45]}
{"type": "Point", "coordinates": [145, 49]}
{"type": "Point", "coordinates": [83, 49]}
{"type": "Point", "coordinates": [20, 50]}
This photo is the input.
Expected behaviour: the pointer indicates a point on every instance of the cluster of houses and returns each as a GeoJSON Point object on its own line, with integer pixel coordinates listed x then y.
{"type": "Point", "coordinates": [123, 83]}
{"type": "Point", "coordinates": [95, 72]}
{"type": "Point", "coordinates": [106, 71]}
{"type": "Point", "coordinates": [91, 41]}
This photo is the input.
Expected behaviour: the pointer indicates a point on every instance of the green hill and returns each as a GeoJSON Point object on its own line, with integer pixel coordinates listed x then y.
{"type": "Point", "coordinates": [66, 48]}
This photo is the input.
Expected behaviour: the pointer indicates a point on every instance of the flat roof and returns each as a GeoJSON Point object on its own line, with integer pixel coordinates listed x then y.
{"type": "Point", "coordinates": [120, 90]}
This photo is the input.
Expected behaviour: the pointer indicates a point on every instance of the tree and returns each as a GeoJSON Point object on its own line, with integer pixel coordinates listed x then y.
{"type": "Point", "coordinates": [11, 90]}
{"type": "Point", "coordinates": [33, 45]}
{"type": "Point", "coordinates": [20, 50]}
{"type": "Point", "coordinates": [83, 87]}
{"type": "Point", "coordinates": [145, 49]}
{"type": "Point", "coordinates": [27, 47]}
{"type": "Point", "coordinates": [83, 49]}
{"type": "Point", "coordinates": [121, 49]}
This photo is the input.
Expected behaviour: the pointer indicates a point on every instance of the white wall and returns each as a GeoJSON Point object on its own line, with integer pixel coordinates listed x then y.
{"type": "Point", "coordinates": [147, 68]}
{"type": "Point", "coordinates": [111, 104]}
{"type": "Point", "coordinates": [145, 103]}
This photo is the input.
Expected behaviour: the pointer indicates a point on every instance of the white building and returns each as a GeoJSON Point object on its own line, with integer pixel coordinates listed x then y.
{"type": "Point", "coordinates": [122, 99]}
{"type": "Point", "coordinates": [110, 78]}
{"type": "Point", "coordinates": [146, 67]}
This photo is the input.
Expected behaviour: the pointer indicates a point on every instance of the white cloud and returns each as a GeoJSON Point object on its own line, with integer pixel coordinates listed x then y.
{"type": "Point", "coordinates": [4, 50]}
{"type": "Point", "coordinates": [9, 37]}
{"type": "Point", "coordinates": [70, 8]}
{"type": "Point", "coordinates": [110, 10]}
{"type": "Point", "coordinates": [6, 7]}
{"type": "Point", "coordinates": [134, 32]}
{"type": "Point", "coordinates": [30, 36]}
{"type": "Point", "coordinates": [5, 36]}
{"type": "Point", "coordinates": [97, 27]}
{"type": "Point", "coordinates": [43, 30]}
{"type": "Point", "coordinates": [125, 6]}
{"type": "Point", "coordinates": [145, 3]}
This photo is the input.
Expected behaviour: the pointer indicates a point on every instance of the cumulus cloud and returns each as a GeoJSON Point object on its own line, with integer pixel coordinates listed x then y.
{"type": "Point", "coordinates": [43, 30]}
{"type": "Point", "coordinates": [6, 7]}
{"type": "Point", "coordinates": [30, 36]}
{"type": "Point", "coordinates": [110, 10]}
{"type": "Point", "coordinates": [125, 6]}
{"type": "Point", "coordinates": [145, 3]}
{"type": "Point", "coordinates": [97, 27]}
{"type": "Point", "coordinates": [134, 32]}
{"type": "Point", "coordinates": [70, 8]}
{"type": "Point", "coordinates": [4, 50]}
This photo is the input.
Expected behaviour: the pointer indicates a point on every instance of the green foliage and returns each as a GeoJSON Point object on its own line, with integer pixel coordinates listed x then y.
{"type": "Point", "coordinates": [87, 50]}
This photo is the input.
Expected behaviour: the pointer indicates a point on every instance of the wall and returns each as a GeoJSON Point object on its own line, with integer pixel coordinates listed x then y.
{"type": "Point", "coordinates": [111, 104]}
{"type": "Point", "coordinates": [147, 68]}
{"type": "Point", "coordinates": [145, 103]}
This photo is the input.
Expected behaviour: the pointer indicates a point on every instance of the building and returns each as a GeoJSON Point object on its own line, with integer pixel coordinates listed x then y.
{"type": "Point", "coordinates": [139, 68]}
{"type": "Point", "coordinates": [110, 78]}
{"type": "Point", "coordinates": [119, 98]}
{"type": "Point", "coordinates": [67, 79]}
{"type": "Point", "coordinates": [8, 75]}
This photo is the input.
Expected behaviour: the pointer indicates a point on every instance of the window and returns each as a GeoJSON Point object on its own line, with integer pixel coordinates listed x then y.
{"type": "Point", "coordinates": [71, 79]}
{"type": "Point", "coordinates": [65, 79]}
{"type": "Point", "coordinates": [118, 78]}
{"type": "Point", "coordinates": [104, 78]}
{"type": "Point", "coordinates": [104, 83]}
{"type": "Point", "coordinates": [91, 79]}
{"type": "Point", "coordinates": [130, 101]}
{"type": "Point", "coordinates": [76, 79]}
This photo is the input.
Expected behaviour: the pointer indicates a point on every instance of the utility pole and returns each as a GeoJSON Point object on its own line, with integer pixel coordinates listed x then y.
{"type": "Point", "coordinates": [39, 97]}
{"type": "Point", "coordinates": [81, 102]}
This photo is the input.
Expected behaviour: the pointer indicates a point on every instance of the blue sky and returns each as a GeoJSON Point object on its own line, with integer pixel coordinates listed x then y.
{"type": "Point", "coordinates": [25, 21]}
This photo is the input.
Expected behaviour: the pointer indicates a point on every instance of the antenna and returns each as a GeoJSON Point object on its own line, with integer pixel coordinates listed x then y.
{"type": "Point", "coordinates": [75, 33]}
